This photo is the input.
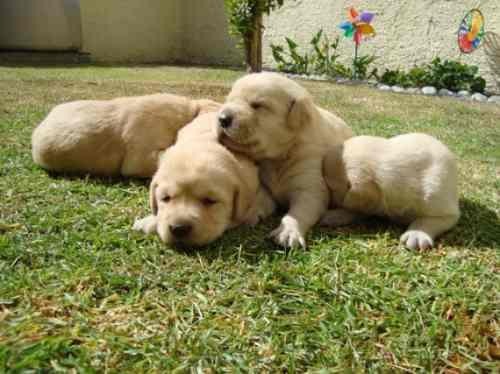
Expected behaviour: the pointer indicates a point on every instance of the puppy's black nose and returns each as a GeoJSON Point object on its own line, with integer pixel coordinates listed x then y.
{"type": "Point", "coordinates": [180, 230]}
{"type": "Point", "coordinates": [225, 120]}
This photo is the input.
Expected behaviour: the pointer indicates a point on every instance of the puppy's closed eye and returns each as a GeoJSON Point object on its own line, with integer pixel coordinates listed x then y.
{"type": "Point", "coordinates": [165, 198]}
{"type": "Point", "coordinates": [207, 201]}
{"type": "Point", "coordinates": [256, 105]}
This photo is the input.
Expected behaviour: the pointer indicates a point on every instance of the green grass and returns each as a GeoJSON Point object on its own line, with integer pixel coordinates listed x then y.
{"type": "Point", "coordinates": [79, 289]}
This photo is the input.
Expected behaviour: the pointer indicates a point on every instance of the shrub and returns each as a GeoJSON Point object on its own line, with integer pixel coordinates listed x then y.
{"type": "Point", "coordinates": [451, 75]}
{"type": "Point", "coordinates": [320, 59]}
{"type": "Point", "coordinates": [291, 61]}
{"type": "Point", "coordinates": [325, 55]}
{"type": "Point", "coordinates": [417, 77]}
{"type": "Point", "coordinates": [361, 65]}
{"type": "Point", "coordinates": [454, 76]}
{"type": "Point", "coordinates": [393, 78]}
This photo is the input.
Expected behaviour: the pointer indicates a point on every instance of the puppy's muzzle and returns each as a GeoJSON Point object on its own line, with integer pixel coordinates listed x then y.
{"type": "Point", "coordinates": [180, 230]}
{"type": "Point", "coordinates": [226, 119]}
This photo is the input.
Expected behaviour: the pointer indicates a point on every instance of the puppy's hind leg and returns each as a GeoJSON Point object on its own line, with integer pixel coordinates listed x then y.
{"type": "Point", "coordinates": [422, 232]}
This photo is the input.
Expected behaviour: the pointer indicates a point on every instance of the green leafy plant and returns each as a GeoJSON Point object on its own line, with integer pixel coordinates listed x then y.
{"type": "Point", "coordinates": [322, 58]}
{"type": "Point", "coordinates": [455, 76]}
{"type": "Point", "coordinates": [396, 78]}
{"type": "Point", "coordinates": [478, 84]}
{"type": "Point", "coordinates": [361, 65]}
{"type": "Point", "coordinates": [416, 77]}
{"type": "Point", "coordinates": [245, 22]}
{"type": "Point", "coordinates": [325, 55]}
{"type": "Point", "coordinates": [451, 75]}
{"type": "Point", "coordinates": [291, 60]}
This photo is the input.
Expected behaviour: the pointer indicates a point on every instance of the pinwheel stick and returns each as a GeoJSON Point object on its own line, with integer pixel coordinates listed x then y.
{"type": "Point", "coordinates": [354, 63]}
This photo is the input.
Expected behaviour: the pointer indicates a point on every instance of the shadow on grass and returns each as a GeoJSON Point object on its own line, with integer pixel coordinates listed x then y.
{"type": "Point", "coordinates": [244, 243]}
{"type": "Point", "coordinates": [47, 63]}
{"type": "Point", "coordinates": [92, 179]}
{"type": "Point", "coordinates": [477, 229]}
{"type": "Point", "coordinates": [479, 226]}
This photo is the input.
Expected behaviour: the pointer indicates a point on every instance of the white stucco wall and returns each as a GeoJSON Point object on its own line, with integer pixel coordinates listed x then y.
{"type": "Point", "coordinates": [409, 32]}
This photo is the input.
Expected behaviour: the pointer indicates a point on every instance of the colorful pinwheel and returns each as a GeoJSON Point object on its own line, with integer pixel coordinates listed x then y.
{"type": "Point", "coordinates": [358, 25]}
{"type": "Point", "coordinates": [471, 31]}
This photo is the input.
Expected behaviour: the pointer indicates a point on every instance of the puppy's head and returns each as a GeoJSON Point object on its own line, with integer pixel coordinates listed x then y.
{"type": "Point", "coordinates": [197, 193]}
{"type": "Point", "coordinates": [263, 114]}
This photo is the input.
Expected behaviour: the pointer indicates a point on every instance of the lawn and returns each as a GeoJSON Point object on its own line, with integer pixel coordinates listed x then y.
{"type": "Point", "coordinates": [79, 289]}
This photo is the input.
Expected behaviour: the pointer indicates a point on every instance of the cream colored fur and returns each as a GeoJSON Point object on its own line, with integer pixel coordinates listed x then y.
{"type": "Point", "coordinates": [411, 179]}
{"type": "Point", "coordinates": [201, 184]}
{"type": "Point", "coordinates": [123, 136]}
{"type": "Point", "coordinates": [275, 122]}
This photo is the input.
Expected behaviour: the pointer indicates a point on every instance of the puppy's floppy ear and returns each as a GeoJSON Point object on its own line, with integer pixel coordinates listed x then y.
{"type": "Point", "coordinates": [301, 111]}
{"type": "Point", "coordinates": [335, 174]}
{"type": "Point", "coordinates": [152, 197]}
{"type": "Point", "coordinates": [241, 204]}
{"type": "Point", "coordinates": [245, 190]}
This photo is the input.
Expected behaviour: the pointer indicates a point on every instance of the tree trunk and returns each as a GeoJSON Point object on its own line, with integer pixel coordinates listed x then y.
{"type": "Point", "coordinates": [253, 47]}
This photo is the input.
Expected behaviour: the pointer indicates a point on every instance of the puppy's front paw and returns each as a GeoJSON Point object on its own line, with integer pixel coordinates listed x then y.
{"type": "Point", "coordinates": [288, 234]}
{"type": "Point", "coordinates": [337, 217]}
{"type": "Point", "coordinates": [415, 239]}
{"type": "Point", "coordinates": [146, 224]}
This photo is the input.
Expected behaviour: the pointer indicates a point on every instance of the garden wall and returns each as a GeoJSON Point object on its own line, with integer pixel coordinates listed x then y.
{"type": "Point", "coordinates": [35, 25]}
{"type": "Point", "coordinates": [130, 31]}
{"type": "Point", "coordinates": [409, 32]}
{"type": "Point", "coordinates": [171, 31]}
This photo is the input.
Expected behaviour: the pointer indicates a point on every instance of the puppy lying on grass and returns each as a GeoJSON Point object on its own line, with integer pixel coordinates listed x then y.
{"type": "Point", "coordinates": [411, 179]}
{"type": "Point", "coordinates": [202, 189]}
{"type": "Point", "coordinates": [123, 136]}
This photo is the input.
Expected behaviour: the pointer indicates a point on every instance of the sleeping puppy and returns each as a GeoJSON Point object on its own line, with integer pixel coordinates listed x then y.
{"type": "Point", "coordinates": [123, 136]}
{"type": "Point", "coordinates": [202, 189]}
{"type": "Point", "coordinates": [411, 179]}
{"type": "Point", "coordinates": [274, 121]}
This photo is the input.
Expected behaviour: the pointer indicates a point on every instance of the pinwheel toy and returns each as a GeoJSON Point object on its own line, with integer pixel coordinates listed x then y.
{"type": "Point", "coordinates": [357, 27]}
{"type": "Point", "coordinates": [471, 31]}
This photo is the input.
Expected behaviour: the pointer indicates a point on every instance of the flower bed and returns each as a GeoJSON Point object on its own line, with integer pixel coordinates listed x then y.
{"type": "Point", "coordinates": [438, 78]}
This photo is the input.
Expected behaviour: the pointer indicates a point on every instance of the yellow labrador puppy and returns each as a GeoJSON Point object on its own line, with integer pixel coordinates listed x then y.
{"type": "Point", "coordinates": [409, 178]}
{"type": "Point", "coordinates": [122, 136]}
{"type": "Point", "coordinates": [274, 121]}
{"type": "Point", "coordinates": [202, 189]}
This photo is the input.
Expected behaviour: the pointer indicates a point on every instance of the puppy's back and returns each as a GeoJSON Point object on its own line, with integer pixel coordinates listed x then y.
{"type": "Point", "coordinates": [75, 131]}
{"type": "Point", "coordinates": [100, 136]}
{"type": "Point", "coordinates": [415, 173]}
{"type": "Point", "coordinates": [202, 128]}
{"type": "Point", "coordinates": [427, 168]}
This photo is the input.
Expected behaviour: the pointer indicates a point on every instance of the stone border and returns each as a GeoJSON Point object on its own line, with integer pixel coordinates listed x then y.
{"type": "Point", "coordinates": [426, 91]}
